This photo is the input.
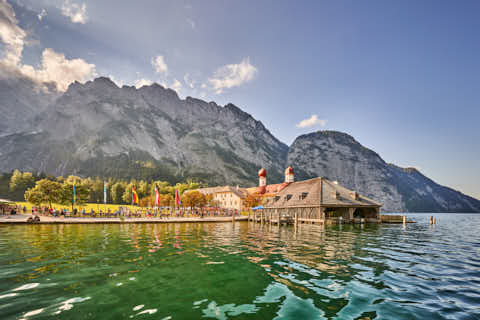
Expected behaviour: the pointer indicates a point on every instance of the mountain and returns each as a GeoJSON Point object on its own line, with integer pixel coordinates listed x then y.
{"type": "Point", "coordinates": [20, 100]}
{"type": "Point", "coordinates": [99, 129]}
{"type": "Point", "coordinates": [338, 156]}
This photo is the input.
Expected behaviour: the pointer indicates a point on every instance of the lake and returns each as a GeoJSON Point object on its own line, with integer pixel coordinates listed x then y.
{"type": "Point", "coordinates": [242, 271]}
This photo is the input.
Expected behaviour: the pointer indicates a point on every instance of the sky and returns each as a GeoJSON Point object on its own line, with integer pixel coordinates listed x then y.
{"type": "Point", "coordinates": [402, 77]}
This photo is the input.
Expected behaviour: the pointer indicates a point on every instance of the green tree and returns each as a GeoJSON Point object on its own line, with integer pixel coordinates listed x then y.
{"type": "Point", "coordinates": [82, 193]}
{"type": "Point", "coordinates": [162, 186]}
{"type": "Point", "coordinates": [127, 194]}
{"type": "Point", "coordinates": [45, 190]}
{"type": "Point", "coordinates": [35, 196]}
{"type": "Point", "coordinates": [116, 192]}
{"type": "Point", "coordinates": [96, 193]}
{"type": "Point", "coordinates": [19, 183]}
{"type": "Point", "coordinates": [143, 189]}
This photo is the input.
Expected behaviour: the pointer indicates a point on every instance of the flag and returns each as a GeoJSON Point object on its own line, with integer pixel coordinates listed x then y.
{"type": "Point", "coordinates": [177, 198]}
{"type": "Point", "coordinates": [73, 195]}
{"type": "Point", "coordinates": [134, 196]}
{"type": "Point", "coordinates": [104, 192]}
{"type": "Point", "coordinates": [157, 197]}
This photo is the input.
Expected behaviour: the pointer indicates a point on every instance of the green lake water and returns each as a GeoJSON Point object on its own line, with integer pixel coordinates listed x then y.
{"type": "Point", "coordinates": [242, 271]}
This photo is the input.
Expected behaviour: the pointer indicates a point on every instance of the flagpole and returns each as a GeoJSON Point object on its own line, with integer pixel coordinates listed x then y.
{"type": "Point", "coordinates": [73, 197]}
{"type": "Point", "coordinates": [105, 196]}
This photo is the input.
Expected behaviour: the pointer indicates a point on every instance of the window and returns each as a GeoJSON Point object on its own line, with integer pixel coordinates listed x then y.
{"type": "Point", "coordinates": [288, 197]}
{"type": "Point", "coordinates": [303, 195]}
{"type": "Point", "coordinates": [277, 198]}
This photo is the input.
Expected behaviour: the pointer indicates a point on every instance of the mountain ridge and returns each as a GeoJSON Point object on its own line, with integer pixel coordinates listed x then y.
{"type": "Point", "coordinates": [98, 128]}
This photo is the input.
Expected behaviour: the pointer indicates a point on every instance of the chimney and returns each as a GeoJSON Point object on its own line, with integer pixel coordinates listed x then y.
{"type": "Point", "coordinates": [262, 177]}
{"type": "Point", "coordinates": [289, 178]}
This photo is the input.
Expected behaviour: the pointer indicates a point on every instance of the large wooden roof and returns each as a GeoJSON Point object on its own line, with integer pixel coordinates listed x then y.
{"type": "Point", "coordinates": [318, 192]}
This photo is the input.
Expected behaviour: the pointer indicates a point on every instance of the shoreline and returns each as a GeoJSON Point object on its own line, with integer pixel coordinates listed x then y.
{"type": "Point", "coordinates": [22, 219]}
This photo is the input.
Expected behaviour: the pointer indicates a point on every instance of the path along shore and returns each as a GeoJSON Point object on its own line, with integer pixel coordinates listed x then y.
{"type": "Point", "coordinates": [22, 219]}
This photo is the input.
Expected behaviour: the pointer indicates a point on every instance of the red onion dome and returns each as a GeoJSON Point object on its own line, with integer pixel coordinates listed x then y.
{"type": "Point", "coordinates": [262, 172]}
{"type": "Point", "coordinates": [289, 170]}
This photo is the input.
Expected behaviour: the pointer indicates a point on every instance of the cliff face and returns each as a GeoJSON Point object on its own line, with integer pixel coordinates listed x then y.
{"type": "Point", "coordinates": [20, 100]}
{"type": "Point", "coordinates": [100, 129]}
{"type": "Point", "coordinates": [340, 157]}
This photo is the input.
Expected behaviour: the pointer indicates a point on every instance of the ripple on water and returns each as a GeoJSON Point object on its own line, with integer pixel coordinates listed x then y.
{"type": "Point", "coordinates": [27, 286]}
{"type": "Point", "coordinates": [261, 272]}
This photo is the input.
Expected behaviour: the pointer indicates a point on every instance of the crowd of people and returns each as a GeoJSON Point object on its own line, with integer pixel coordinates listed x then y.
{"type": "Point", "coordinates": [127, 212]}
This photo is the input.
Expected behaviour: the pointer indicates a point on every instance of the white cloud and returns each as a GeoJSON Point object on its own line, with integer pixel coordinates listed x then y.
{"type": "Point", "coordinates": [42, 14]}
{"type": "Point", "coordinates": [312, 121]}
{"type": "Point", "coordinates": [142, 82]}
{"type": "Point", "coordinates": [11, 34]}
{"type": "Point", "coordinates": [118, 82]}
{"type": "Point", "coordinates": [189, 81]}
{"type": "Point", "coordinates": [76, 12]}
{"type": "Point", "coordinates": [232, 75]}
{"type": "Point", "coordinates": [54, 66]}
{"type": "Point", "coordinates": [159, 64]}
{"type": "Point", "coordinates": [176, 85]}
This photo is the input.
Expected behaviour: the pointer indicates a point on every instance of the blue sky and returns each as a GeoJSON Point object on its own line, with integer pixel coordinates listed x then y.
{"type": "Point", "coordinates": [401, 77]}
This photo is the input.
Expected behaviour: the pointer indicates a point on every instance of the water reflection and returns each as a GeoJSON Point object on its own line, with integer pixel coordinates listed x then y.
{"type": "Point", "coordinates": [242, 270]}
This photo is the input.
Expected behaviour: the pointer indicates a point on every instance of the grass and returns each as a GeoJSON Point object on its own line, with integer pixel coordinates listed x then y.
{"type": "Point", "coordinates": [87, 206]}
{"type": "Point", "coordinates": [91, 206]}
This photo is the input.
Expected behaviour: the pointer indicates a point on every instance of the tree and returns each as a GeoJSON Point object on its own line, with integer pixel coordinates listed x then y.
{"type": "Point", "coordinates": [163, 187]}
{"type": "Point", "coordinates": [19, 183]}
{"type": "Point", "coordinates": [147, 201]}
{"type": "Point", "coordinates": [116, 192]}
{"type": "Point", "coordinates": [35, 196]}
{"type": "Point", "coordinates": [209, 200]}
{"type": "Point", "coordinates": [253, 200]}
{"type": "Point", "coordinates": [167, 200]}
{"type": "Point", "coordinates": [127, 193]}
{"type": "Point", "coordinates": [143, 189]}
{"type": "Point", "coordinates": [46, 191]}
{"type": "Point", "coordinates": [193, 199]}
{"type": "Point", "coordinates": [96, 193]}
{"type": "Point", "coordinates": [82, 191]}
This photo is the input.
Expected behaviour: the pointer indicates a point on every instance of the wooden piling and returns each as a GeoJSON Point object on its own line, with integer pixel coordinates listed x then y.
{"type": "Point", "coordinates": [404, 219]}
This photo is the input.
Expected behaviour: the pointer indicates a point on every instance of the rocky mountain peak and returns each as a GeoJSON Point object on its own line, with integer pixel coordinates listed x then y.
{"type": "Point", "coordinates": [99, 129]}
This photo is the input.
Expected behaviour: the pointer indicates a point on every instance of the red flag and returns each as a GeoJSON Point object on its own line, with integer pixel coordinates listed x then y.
{"type": "Point", "coordinates": [134, 195]}
{"type": "Point", "coordinates": [157, 197]}
{"type": "Point", "coordinates": [177, 198]}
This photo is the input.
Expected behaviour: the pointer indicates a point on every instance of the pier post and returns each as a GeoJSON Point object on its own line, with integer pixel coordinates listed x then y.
{"type": "Point", "coordinates": [431, 219]}
{"type": "Point", "coordinates": [404, 219]}
{"type": "Point", "coordinates": [296, 219]}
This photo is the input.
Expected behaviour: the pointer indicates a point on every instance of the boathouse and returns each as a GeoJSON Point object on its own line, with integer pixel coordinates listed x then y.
{"type": "Point", "coordinates": [319, 200]}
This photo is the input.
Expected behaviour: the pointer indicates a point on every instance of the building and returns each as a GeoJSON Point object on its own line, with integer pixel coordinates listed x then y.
{"type": "Point", "coordinates": [321, 200]}
{"type": "Point", "coordinates": [315, 200]}
{"type": "Point", "coordinates": [227, 197]}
